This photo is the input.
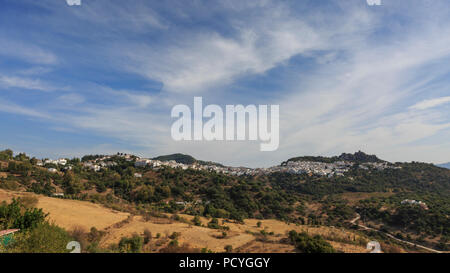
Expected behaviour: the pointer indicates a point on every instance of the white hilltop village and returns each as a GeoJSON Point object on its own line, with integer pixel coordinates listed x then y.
{"type": "Point", "coordinates": [338, 168]}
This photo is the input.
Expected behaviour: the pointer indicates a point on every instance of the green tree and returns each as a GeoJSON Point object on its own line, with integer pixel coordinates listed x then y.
{"type": "Point", "coordinates": [307, 244]}
{"type": "Point", "coordinates": [44, 238]}
{"type": "Point", "coordinates": [132, 245]}
{"type": "Point", "coordinates": [6, 154]}
{"type": "Point", "coordinates": [16, 215]}
{"type": "Point", "coordinates": [196, 221]}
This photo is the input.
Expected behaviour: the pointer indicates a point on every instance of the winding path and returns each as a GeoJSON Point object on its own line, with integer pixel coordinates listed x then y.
{"type": "Point", "coordinates": [391, 236]}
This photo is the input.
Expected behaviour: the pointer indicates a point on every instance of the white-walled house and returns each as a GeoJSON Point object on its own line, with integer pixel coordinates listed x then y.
{"type": "Point", "coordinates": [61, 161]}
{"type": "Point", "coordinates": [142, 163]}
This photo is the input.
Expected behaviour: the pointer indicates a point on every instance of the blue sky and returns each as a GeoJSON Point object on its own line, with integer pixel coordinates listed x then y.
{"type": "Point", "coordinates": [102, 77]}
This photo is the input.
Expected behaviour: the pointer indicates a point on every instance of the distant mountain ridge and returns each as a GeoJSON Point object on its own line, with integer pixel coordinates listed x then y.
{"type": "Point", "coordinates": [179, 158]}
{"type": "Point", "coordinates": [358, 157]}
{"type": "Point", "coordinates": [185, 159]}
{"type": "Point", "coordinates": [445, 165]}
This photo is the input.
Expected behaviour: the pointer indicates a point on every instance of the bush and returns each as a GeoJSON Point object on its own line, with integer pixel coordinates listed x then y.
{"type": "Point", "coordinates": [147, 236]}
{"type": "Point", "coordinates": [44, 238]}
{"type": "Point", "coordinates": [15, 215]}
{"type": "Point", "coordinates": [185, 248]}
{"type": "Point", "coordinates": [196, 221]}
{"type": "Point", "coordinates": [214, 223]}
{"type": "Point", "coordinates": [95, 235]}
{"type": "Point", "coordinates": [79, 234]}
{"type": "Point", "coordinates": [175, 235]}
{"type": "Point", "coordinates": [6, 155]}
{"type": "Point", "coordinates": [9, 184]}
{"type": "Point", "coordinates": [307, 244]}
{"type": "Point", "coordinates": [173, 243]}
{"type": "Point", "coordinates": [133, 244]}
{"type": "Point", "coordinates": [228, 248]}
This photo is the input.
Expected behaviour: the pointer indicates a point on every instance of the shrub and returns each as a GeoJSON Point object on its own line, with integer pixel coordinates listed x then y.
{"type": "Point", "coordinates": [15, 215]}
{"type": "Point", "coordinates": [44, 238]}
{"type": "Point", "coordinates": [79, 234]}
{"type": "Point", "coordinates": [173, 243]}
{"type": "Point", "coordinates": [196, 221]}
{"type": "Point", "coordinates": [174, 235]}
{"type": "Point", "coordinates": [228, 248]}
{"type": "Point", "coordinates": [133, 244]}
{"type": "Point", "coordinates": [307, 244]}
{"type": "Point", "coordinates": [147, 236]}
{"type": "Point", "coordinates": [6, 155]}
{"type": "Point", "coordinates": [214, 223]}
{"type": "Point", "coordinates": [185, 248]}
{"type": "Point", "coordinates": [95, 235]}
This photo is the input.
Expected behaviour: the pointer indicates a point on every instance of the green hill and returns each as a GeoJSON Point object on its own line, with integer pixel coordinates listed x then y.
{"type": "Point", "coordinates": [179, 158]}
{"type": "Point", "coordinates": [185, 159]}
{"type": "Point", "coordinates": [358, 157]}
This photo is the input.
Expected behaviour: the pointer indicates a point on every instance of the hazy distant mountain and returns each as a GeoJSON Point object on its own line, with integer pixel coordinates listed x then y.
{"type": "Point", "coordinates": [445, 165]}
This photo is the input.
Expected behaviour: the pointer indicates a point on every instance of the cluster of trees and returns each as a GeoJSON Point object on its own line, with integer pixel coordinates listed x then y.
{"type": "Point", "coordinates": [16, 216]}
{"type": "Point", "coordinates": [36, 235]}
{"type": "Point", "coordinates": [358, 157]}
{"type": "Point", "coordinates": [308, 244]}
{"type": "Point", "coordinates": [416, 218]}
{"type": "Point", "coordinates": [433, 221]}
{"type": "Point", "coordinates": [6, 155]}
{"type": "Point", "coordinates": [131, 245]}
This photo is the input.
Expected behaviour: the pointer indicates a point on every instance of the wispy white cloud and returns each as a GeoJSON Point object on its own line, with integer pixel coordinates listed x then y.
{"type": "Point", "coordinates": [360, 103]}
{"type": "Point", "coordinates": [26, 83]}
{"type": "Point", "coordinates": [10, 107]}
{"type": "Point", "coordinates": [26, 52]}
{"type": "Point", "coordinates": [426, 104]}
{"type": "Point", "coordinates": [70, 99]}
{"type": "Point", "coordinates": [205, 60]}
{"type": "Point", "coordinates": [135, 98]}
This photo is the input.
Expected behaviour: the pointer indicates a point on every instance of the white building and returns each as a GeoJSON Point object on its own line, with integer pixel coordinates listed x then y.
{"type": "Point", "coordinates": [416, 203]}
{"type": "Point", "coordinates": [142, 163]}
{"type": "Point", "coordinates": [93, 167]}
{"type": "Point", "coordinates": [61, 161]}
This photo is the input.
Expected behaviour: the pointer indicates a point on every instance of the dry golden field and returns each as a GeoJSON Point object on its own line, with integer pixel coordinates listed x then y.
{"type": "Point", "coordinates": [243, 237]}
{"type": "Point", "coordinates": [71, 213]}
